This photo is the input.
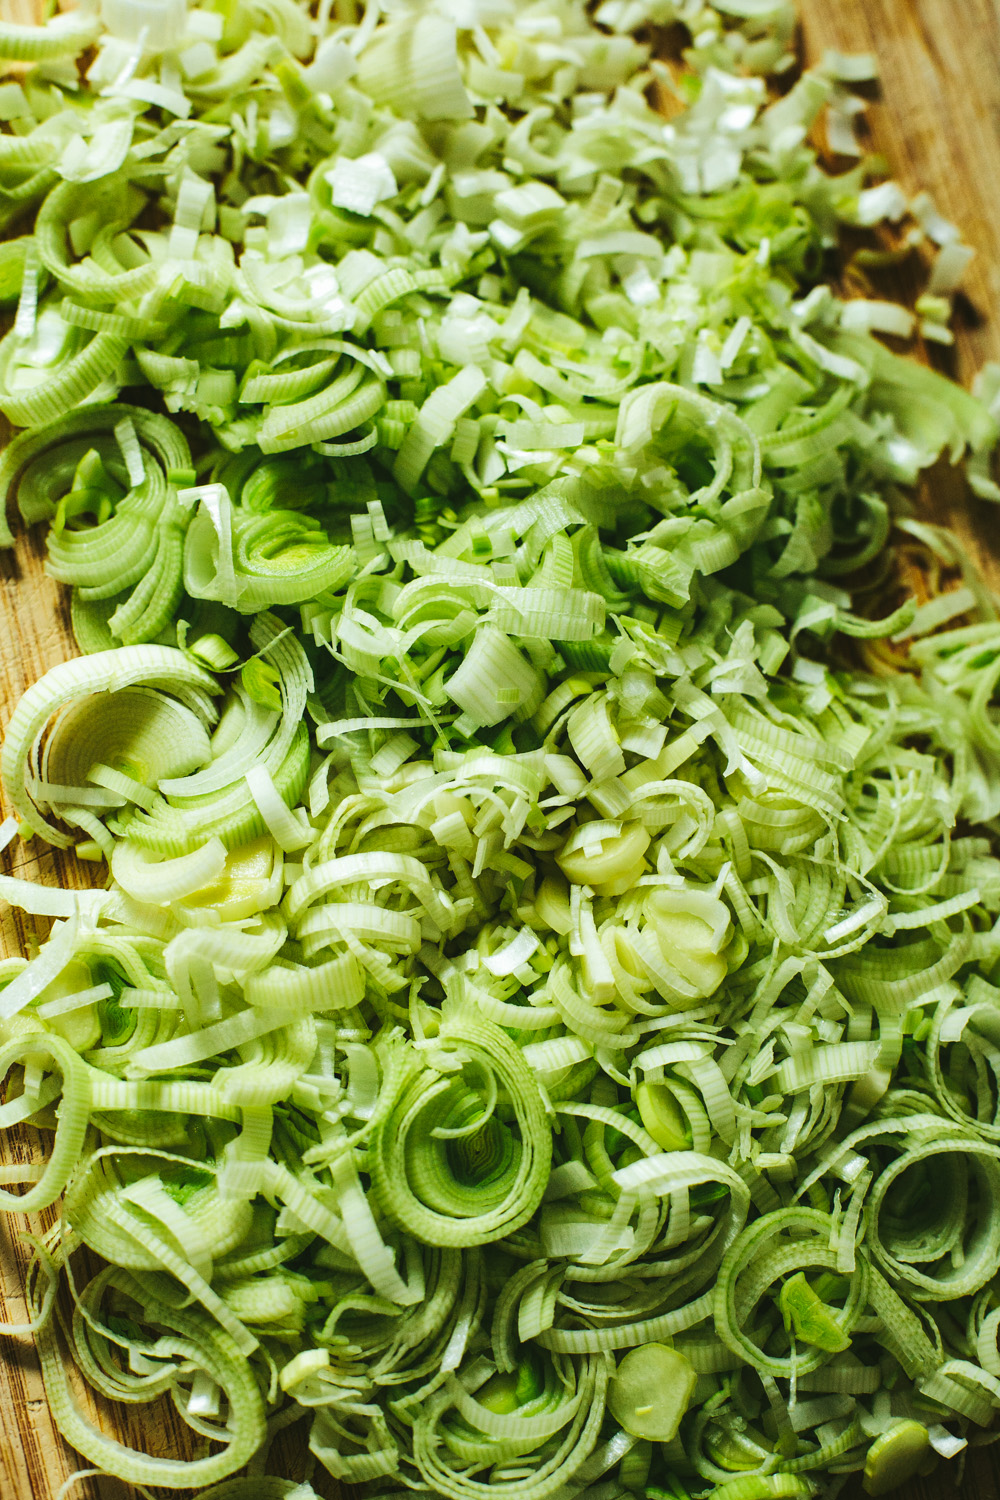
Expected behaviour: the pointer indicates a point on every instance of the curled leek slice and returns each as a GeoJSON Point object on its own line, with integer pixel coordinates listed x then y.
{"type": "Point", "coordinates": [460, 1146]}
{"type": "Point", "coordinates": [279, 557]}
{"type": "Point", "coordinates": [74, 1114]}
{"type": "Point", "coordinates": [74, 468]}
{"type": "Point", "coordinates": [187, 1340]}
{"type": "Point", "coordinates": [89, 690]}
{"type": "Point", "coordinates": [218, 801]}
{"type": "Point", "coordinates": [757, 1260]}
{"type": "Point", "coordinates": [535, 1433]}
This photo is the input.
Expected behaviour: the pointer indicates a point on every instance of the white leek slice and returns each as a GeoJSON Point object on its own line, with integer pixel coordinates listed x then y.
{"type": "Point", "coordinates": [168, 880]}
{"type": "Point", "coordinates": [103, 673]}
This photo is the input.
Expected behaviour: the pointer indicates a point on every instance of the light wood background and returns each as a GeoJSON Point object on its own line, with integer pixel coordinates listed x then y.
{"type": "Point", "coordinates": [937, 122]}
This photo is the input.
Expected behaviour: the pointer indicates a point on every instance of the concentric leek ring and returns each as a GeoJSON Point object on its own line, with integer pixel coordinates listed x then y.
{"type": "Point", "coordinates": [754, 1266]}
{"type": "Point", "coordinates": [948, 1243]}
{"type": "Point", "coordinates": [483, 1175]}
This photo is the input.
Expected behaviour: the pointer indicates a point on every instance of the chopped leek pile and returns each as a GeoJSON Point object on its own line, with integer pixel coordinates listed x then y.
{"type": "Point", "coordinates": [536, 1018]}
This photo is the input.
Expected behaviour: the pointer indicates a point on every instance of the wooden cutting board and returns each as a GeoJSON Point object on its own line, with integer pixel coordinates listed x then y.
{"type": "Point", "coordinates": [938, 125]}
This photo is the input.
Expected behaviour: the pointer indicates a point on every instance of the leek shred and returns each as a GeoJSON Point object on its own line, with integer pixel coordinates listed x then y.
{"type": "Point", "coordinates": [539, 1027]}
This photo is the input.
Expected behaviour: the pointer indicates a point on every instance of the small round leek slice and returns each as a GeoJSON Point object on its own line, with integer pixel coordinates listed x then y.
{"type": "Point", "coordinates": [650, 1392]}
{"type": "Point", "coordinates": [688, 942]}
{"type": "Point", "coordinates": [662, 1117]}
{"type": "Point", "coordinates": [607, 861]}
{"type": "Point", "coordinates": [895, 1456]}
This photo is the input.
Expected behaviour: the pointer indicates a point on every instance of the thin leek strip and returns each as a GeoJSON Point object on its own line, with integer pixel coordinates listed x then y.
{"type": "Point", "coordinates": [223, 1036]}
{"type": "Point", "coordinates": [35, 977]}
{"type": "Point", "coordinates": [26, 1105]}
{"type": "Point", "coordinates": [366, 1243]}
{"type": "Point", "coordinates": [122, 785]}
{"type": "Point", "coordinates": [44, 901]}
{"type": "Point", "coordinates": [178, 1096]}
{"type": "Point", "coordinates": [335, 985]}
{"type": "Point", "coordinates": [72, 1002]}
{"type": "Point", "coordinates": [288, 832]}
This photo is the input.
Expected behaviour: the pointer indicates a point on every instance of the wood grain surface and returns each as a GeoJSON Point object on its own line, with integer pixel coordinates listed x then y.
{"type": "Point", "coordinates": [937, 122]}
